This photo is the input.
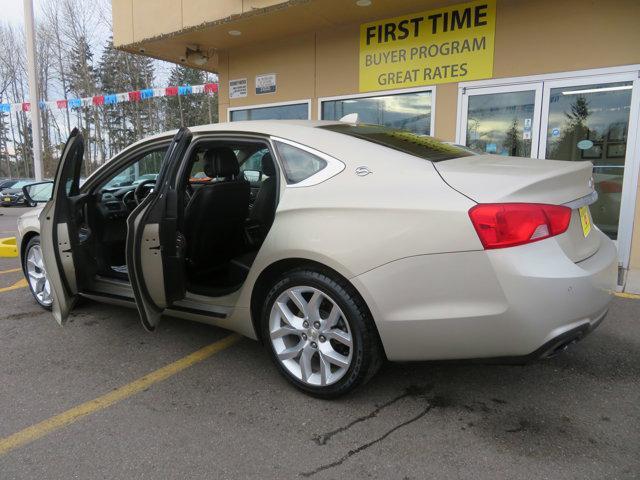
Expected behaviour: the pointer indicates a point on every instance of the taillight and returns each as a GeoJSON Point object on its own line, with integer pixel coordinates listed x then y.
{"type": "Point", "coordinates": [501, 225]}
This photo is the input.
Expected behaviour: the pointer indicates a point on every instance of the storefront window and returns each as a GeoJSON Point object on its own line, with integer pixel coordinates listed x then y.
{"type": "Point", "coordinates": [406, 111]}
{"type": "Point", "coordinates": [501, 123]}
{"type": "Point", "coordinates": [591, 122]}
{"type": "Point", "coordinates": [298, 111]}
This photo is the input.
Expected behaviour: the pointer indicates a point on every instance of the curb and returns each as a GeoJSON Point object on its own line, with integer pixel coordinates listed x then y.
{"type": "Point", "coordinates": [8, 247]}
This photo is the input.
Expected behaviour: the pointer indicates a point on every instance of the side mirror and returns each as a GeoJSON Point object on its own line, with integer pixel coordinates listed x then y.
{"type": "Point", "coordinates": [253, 176]}
{"type": "Point", "coordinates": [39, 192]}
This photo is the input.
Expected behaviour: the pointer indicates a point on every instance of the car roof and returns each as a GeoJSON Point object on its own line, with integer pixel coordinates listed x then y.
{"type": "Point", "coordinates": [265, 127]}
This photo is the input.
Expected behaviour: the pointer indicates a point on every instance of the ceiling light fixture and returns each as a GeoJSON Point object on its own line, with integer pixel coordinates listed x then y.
{"type": "Point", "coordinates": [597, 90]}
{"type": "Point", "coordinates": [194, 55]}
{"type": "Point", "coordinates": [363, 3]}
{"type": "Point", "coordinates": [235, 33]}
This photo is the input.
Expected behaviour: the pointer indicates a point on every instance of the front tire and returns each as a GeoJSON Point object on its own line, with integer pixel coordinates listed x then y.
{"type": "Point", "coordinates": [320, 333]}
{"type": "Point", "coordinates": [33, 267]}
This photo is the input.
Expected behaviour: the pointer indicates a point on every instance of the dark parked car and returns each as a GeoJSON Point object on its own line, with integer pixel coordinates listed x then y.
{"type": "Point", "coordinates": [9, 182]}
{"type": "Point", "coordinates": [14, 195]}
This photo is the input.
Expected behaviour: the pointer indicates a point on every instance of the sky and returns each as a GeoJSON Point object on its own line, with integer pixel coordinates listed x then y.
{"type": "Point", "coordinates": [13, 10]}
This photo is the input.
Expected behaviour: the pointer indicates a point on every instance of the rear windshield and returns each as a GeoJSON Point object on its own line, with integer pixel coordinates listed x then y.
{"type": "Point", "coordinates": [421, 146]}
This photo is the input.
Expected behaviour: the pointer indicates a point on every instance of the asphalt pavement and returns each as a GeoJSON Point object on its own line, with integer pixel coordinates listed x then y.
{"type": "Point", "coordinates": [229, 414]}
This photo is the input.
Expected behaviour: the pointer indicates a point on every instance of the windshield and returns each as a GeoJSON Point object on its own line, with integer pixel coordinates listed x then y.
{"type": "Point", "coordinates": [21, 183]}
{"type": "Point", "coordinates": [421, 146]}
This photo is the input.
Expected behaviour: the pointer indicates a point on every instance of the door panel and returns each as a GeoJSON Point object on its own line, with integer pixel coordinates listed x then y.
{"type": "Point", "coordinates": [59, 221]}
{"type": "Point", "coordinates": [154, 250]}
{"type": "Point", "coordinates": [151, 263]}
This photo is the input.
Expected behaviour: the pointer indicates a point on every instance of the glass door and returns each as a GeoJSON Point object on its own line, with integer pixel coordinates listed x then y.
{"type": "Point", "coordinates": [502, 120]}
{"type": "Point", "coordinates": [589, 119]}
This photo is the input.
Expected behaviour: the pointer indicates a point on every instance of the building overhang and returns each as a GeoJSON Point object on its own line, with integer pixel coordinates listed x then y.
{"type": "Point", "coordinates": [158, 29]}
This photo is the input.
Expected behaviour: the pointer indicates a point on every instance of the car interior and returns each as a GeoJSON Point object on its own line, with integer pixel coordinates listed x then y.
{"type": "Point", "coordinates": [227, 199]}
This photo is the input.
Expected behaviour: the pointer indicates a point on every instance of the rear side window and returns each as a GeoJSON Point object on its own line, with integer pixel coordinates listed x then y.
{"type": "Point", "coordinates": [421, 146]}
{"type": "Point", "coordinates": [298, 164]}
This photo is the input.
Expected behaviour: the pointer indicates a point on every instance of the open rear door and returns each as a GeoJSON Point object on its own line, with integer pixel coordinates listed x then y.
{"type": "Point", "coordinates": [59, 223]}
{"type": "Point", "coordinates": [155, 253]}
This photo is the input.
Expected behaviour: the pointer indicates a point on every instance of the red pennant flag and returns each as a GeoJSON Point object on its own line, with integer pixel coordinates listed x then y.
{"type": "Point", "coordinates": [61, 103]}
{"type": "Point", "coordinates": [134, 96]}
{"type": "Point", "coordinates": [171, 91]}
{"type": "Point", "coordinates": [26, 106]}
{"type": "Point", "coordinates": [98, 100]}
{"type": "Point", "coordinates": [210, 87]}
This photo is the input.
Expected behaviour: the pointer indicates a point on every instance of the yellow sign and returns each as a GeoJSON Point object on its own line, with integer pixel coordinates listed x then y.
{"type": "Point", "coordinates": [451, 44]}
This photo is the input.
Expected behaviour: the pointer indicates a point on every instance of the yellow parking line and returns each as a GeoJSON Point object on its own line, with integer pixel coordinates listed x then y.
{"type": "Point", "coordinates": [10, 270]}
{"type": "Point", "coordinates": [19, 284]}
{"type": "Point", "coordinates": [63, 419]}
{"type": "Point", "coordinates": [627, 295]}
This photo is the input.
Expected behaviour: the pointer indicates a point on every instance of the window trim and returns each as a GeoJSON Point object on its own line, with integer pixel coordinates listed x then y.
{"type": "Point", "coordinates": [333, 167]}
{"type": "Point", "coordinates": [269, 105]}
{"type": "Point", "coordinates": [384, 93]}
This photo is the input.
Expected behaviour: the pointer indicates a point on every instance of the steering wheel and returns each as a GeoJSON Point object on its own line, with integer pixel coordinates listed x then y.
{"type": "Point", "coordinates": [128, 200]}
{"type": "Point", "coordinates": [138, 192]}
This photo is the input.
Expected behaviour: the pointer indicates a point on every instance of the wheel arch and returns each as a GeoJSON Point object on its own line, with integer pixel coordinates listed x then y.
{"type": "Point", "coordinates": [269, 274]}
{"type": "Point", "coordinates": [24, 241]}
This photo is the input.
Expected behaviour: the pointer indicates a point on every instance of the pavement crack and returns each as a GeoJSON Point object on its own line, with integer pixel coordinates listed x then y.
{"type": "Point", "coordinates": [323, 438]}
{"type": "Point", "coordinates": [363, 447]}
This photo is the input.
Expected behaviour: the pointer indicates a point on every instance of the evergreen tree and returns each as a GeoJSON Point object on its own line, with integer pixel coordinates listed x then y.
{"type": "Point", "coordinates": [188, 110]}
{"type": "Point", "coordinates": [573, 131]}
{"type": "Point", "coordinates": [513, 140]}
{"type": "Point", "coordinates": [129, 121]}
{"type": "Point", "coordinates": [82, 83]}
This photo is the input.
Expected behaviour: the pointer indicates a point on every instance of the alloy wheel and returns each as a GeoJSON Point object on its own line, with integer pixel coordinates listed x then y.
{"type": "Point", "coordinates": [311, 336]}
{"type": "Point", "coordinates": [38, 276]}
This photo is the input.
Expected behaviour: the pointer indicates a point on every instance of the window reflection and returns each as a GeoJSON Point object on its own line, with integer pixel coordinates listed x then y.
{"type": "Point", "coordinates": [501, 123]}
{"type": "Point", "coordinates": [590, 122]}
{"type": "Point", "coordinates": [406, 111]}
{"type": "Point", "coordinates": [299, 111]}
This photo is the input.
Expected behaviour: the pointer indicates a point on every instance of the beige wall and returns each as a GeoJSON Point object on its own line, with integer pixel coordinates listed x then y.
{"type": "Point", "coordinates": [137, 20]}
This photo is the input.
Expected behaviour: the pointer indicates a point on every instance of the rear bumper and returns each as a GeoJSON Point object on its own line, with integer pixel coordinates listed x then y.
{"type": "Point", "coordinates": [487, 304]}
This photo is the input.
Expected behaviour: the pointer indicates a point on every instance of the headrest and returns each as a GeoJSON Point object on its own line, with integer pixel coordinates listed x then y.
{"type": "Point", "coordinates": [220, 162]}
{"type": "Point", "coordinates": [268, 168]}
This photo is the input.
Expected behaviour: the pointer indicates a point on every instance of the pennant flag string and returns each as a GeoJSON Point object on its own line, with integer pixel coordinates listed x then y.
{"type": "Point", "coordinates": [113, 98]}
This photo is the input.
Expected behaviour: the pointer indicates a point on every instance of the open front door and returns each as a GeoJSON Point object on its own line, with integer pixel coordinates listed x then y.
{"type": "Point", "coordinates": [155, 253]}
{"type": "Point", "coordinates": [60, 221]}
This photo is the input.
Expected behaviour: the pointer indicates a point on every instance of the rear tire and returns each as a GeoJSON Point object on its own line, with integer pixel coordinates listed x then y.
{"type": "Point", "coordinates": [320, 334]}
{"type": "Point", "coordinates": [33, 268]}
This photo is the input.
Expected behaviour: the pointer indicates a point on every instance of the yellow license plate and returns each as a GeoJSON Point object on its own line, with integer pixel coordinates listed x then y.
{"type": "Point", "coordinates": [7, 199]}
{"type": "Point", "coordinates": [585, 220]}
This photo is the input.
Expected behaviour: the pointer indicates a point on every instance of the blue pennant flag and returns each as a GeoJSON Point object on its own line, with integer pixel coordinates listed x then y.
{"type": "Point", "coordinates": [5, 107]}
{"type": "Point", "coordinates": [146, 93]}
{"type": "Point", "coordinates": [110, 99]}
{"type": "Point", "coordinates": [184, 90]}
{"type": "Point", "coordinates": [74, 103]}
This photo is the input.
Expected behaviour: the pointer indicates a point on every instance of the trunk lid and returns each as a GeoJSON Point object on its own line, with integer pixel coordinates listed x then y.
{"type": "Point", "coordinates": [498, 179]}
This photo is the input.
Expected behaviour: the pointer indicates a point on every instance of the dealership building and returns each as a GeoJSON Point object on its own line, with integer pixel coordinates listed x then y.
{"type": "Point", "coordinates": [549, 79]}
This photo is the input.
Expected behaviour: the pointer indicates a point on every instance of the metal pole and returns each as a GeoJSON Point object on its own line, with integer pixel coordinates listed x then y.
{"type": "Point", "coordinates": [34, 95]}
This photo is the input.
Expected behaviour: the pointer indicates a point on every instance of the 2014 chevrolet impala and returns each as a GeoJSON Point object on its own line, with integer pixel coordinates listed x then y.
{"type": "Point", "coordinates": [335, 244]}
